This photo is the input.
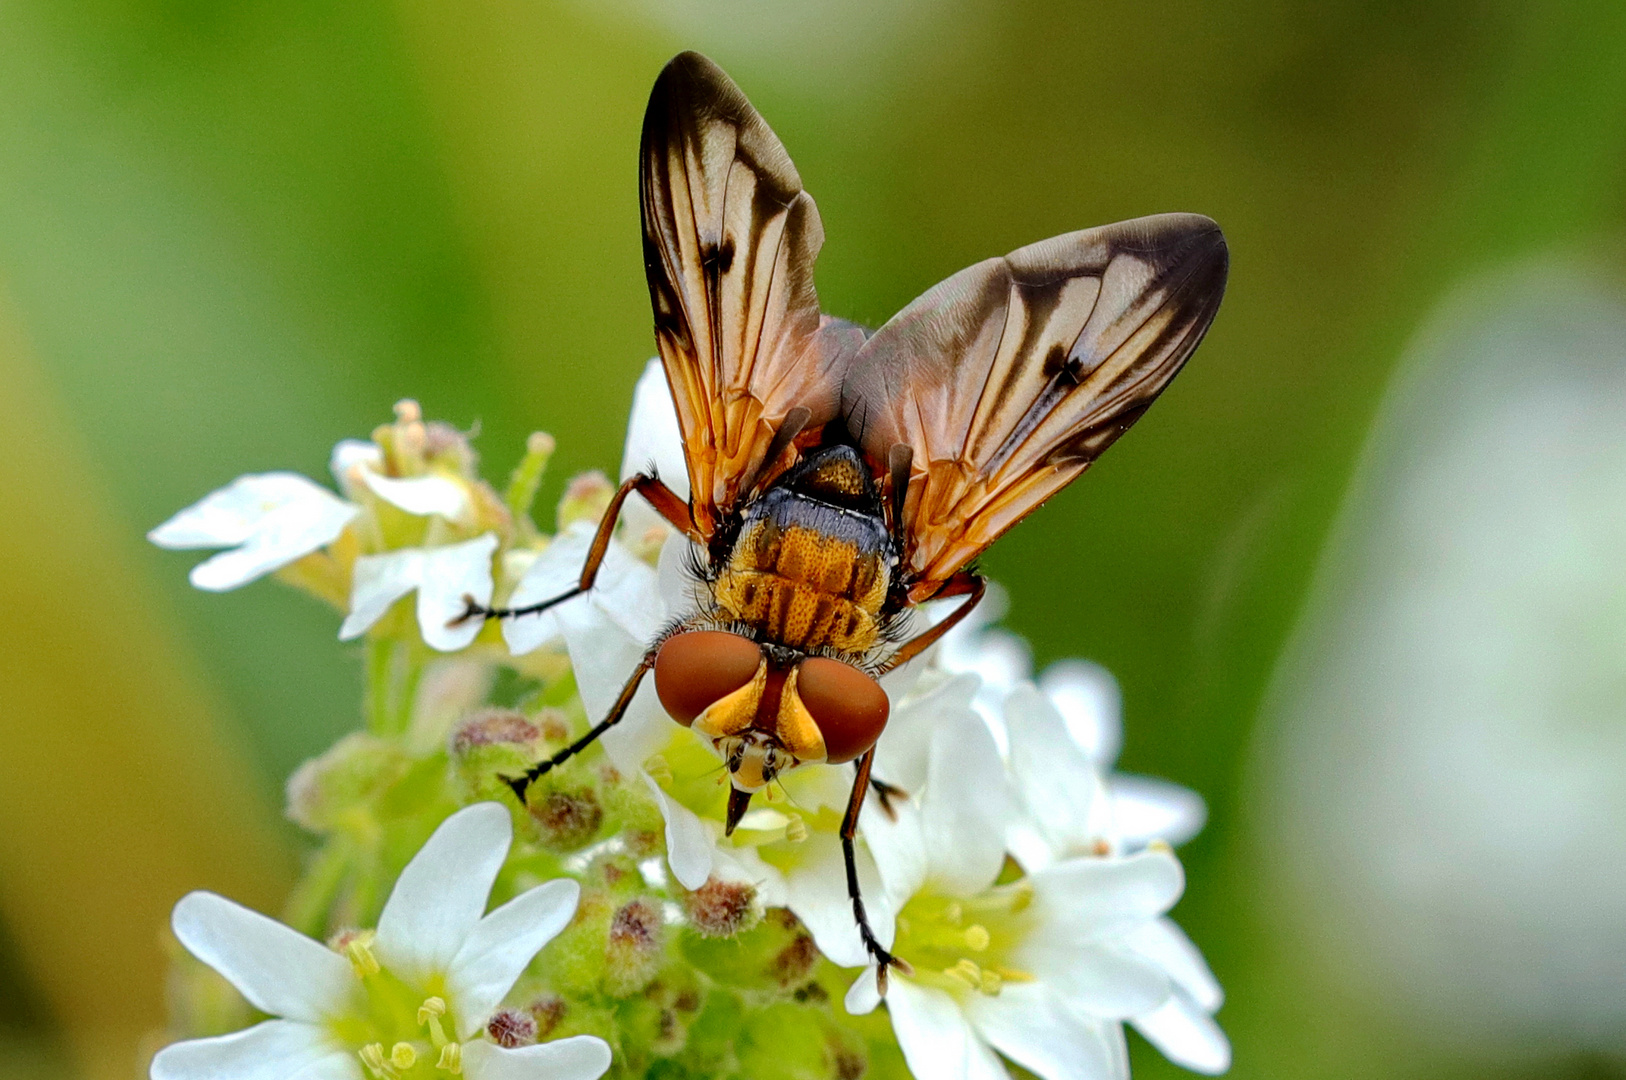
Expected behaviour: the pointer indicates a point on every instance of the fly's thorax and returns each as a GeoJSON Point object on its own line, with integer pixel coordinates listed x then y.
{"type": "Point", "coordinates": [808, 574]}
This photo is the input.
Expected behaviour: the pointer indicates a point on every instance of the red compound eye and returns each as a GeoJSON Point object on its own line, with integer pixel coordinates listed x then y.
{"type": "Point", "coordinates": [849, 706]}
{"type": "Point", "coordinates": [695, 670]}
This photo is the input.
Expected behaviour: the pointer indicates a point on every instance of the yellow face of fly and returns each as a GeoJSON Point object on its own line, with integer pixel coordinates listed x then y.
{"type": "Point", "coordinates": [759, 747]}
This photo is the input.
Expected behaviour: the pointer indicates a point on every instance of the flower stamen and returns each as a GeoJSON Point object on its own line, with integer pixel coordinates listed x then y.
{"type": "Point", "coordinates": [451, 1059]}
{"type": "Point", "coordinates": [358, 949]}
{"type": "Point", "coordinates": [429, 1014]}
{"type": "Point", "coordinates": [372, 1056]}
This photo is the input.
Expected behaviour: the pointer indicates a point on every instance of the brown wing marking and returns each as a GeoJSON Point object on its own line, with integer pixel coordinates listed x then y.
{"type": "Point", "coordinates": [730, 239]}
{"type": "Point", "coordinates": [1008, 379]}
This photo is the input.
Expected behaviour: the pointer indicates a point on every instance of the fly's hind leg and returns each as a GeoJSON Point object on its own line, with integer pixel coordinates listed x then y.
{"type": "Point", "coordinates": [665, 501]}
{"type": "Point", "coordinates": [849, 830]}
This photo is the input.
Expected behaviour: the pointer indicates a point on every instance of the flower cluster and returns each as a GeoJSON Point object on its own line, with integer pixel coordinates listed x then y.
{"type": "Point", "coordinates": [1023, 884]}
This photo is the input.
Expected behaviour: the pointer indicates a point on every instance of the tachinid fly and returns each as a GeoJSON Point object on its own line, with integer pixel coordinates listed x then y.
{"type": "Point", "coordinates": [839, 477]}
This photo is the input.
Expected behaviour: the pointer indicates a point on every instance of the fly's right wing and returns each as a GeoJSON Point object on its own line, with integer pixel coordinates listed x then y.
{"type": "Point", "coordinates": [1007, 380]}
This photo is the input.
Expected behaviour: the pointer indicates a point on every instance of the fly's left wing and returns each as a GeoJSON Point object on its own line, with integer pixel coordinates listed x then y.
{"type": "Point", "coordinates": [730, 239]}
{"type": "Point", "coordinates": [1007, 380]}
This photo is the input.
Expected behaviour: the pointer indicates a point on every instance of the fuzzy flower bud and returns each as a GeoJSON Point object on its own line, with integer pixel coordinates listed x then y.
{"type": "Point", "coordinates": [633, 954]}
{"type": "Point", "coordinates": [722, 908]}
{"type": "Point", "coordinates": [567, 819]}
{"type": "Point", "coordinates": [512, 1028]}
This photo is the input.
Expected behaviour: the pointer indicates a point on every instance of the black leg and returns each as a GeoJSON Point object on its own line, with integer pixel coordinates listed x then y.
{"type": "Point", "coordinates": [661, 497]}
{"type": "Point", "coordinates": [849, 830]}
{"type": "Point", "coordinates": [522, 784]}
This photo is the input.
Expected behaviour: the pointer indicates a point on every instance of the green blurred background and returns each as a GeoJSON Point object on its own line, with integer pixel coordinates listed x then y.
{"type": "Point", "coordinates": [233, 233]}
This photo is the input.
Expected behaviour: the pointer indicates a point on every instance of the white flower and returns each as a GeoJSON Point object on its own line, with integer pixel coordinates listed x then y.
{"type": "Point", "coordinates": [653, 443]}
{"type": "Point", "coordinates": [442, 575]}
{"type": "Point", "coordinates": [1142, 809]}
{"type": "Point", "coordinates": [1066, 812]}
{"type": "Point", "coordinates": [268, 520]}
{"type": "Point", "coordinates": [411, 1000]}
{"type": "Point", "coordinates": [1042, 969]}
{"type": "Point", "coordinates": [356, 464]}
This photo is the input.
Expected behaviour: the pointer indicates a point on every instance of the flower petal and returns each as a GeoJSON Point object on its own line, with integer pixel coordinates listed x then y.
{"type": "Point", "coordinates": [1145, 809]}
{"type": "Point", "coordinates": [1027, 1024]}
{"type": "Point", "coordinates": [229, 516]}
{"type": "Point", "coordinates": [279, 970]}
{"type": "Point", "coordinates": [421, 495]}
{"type": "Point", "coordinates": [439, 898]}
{"type": "Point", "coordinates": [682, 593]}
{"type": "Point", "coordinates": [275, 517]}
{"type": "Point", "coordinates": [580, 1057]}
{"type": "Point", "coordinates": [1090, 703]}
{"type": "Point", "coordinates": [936, 1039]}
{"type": "Point", "coordinates": [553, 572]}
{"type": "Point", "coordinates": [288, 534]}
{"type": "Point", "coordinates": [1167, 946]}
{"type": "Point", "coordinates": [653, 444]}
{"type": "Point", "coordinates": [966, 805]}
{"type": "Point", "coordinates": [816, 891]}
{"type": "Point", "coordinates": [863, 995]}
{"type": "Point", "coordinates": [689, 843]}
{"type": "Point", "coordinates": [1084, 901]}
{"type": "Point", "coordinates": [1058, 786]}
{"type": "Point", "coordinates": [905, 747]}
{"type": "Point", "coordinates": [349, 456]}
{"type": "Point", "coordinates": [1098, 980]}
{"type": "Point", "coordinates": [898, 846]}
{"type": "Point", "coordinates": [1187, 1035]}
{"type": "Point", "coordinates": [501, 945]}
{"type": "Point", "coordinates": [450, 573]}
{"type": "Point", "coordinates": [377, 582]}
{"type": "Point", "coordinates": [274, 1050]}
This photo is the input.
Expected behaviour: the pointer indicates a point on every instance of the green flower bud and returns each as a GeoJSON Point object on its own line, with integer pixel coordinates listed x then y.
{"type": "Point", "coordinates": [586, 498]}
{"type": "Point", "coordinates": [489, 745]}
{"type": "Point", "coordinates": [350, 778]}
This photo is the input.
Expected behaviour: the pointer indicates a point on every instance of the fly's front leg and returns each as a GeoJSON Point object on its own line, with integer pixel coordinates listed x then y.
{"type": "Point", "coordinates": [665, 501]}
{"type": "Point", "coordinates": [849, 830]}
{"type": "Point", "coordinates": [521, 784]}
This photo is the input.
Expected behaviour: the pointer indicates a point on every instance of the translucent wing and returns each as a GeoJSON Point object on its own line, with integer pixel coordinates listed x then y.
{"type": "Point", "coordinates": [1007, 380]}
{"type": "Point", "coordinates": [729, 243]}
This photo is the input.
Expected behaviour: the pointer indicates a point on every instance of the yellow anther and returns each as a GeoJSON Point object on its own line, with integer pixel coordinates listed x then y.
{"type": "Point", "coordinates": [967, 972]}
{"type": "Point", "coordinates": [451, 1058]}
{"type": "Point", "coordinates": [403, 1055]}
{"type": "Point", "coordinates": [796, 829]}
{"type": "Point", "coordinates": [1022, 897]}
{"type": "Point", "coordinates": [359, 951]}
{"type": "Point", "coordinates": [407, 411]}
{"type": "Point", "coordinates": [953, 913]}
{"type": "Point", "coordinates": [977, 937]}
{"type": "Point", "coordinates": [658, 769]}
{"type": "Point", "coordinates": [431, 1007]}
{"type": "Point", "coordinates": [992, 984]}
{"type": "Point", "coordinates": [772, 794]}
{"type": "Point", "coordinates": [1160, 846]}
{"type": "Point", "coordinates": [1008, 974]}
{"type": "Point", "coordinates": [372, 1056]}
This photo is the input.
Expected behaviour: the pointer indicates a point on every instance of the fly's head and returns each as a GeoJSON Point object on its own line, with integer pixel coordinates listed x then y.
{"type": "Point", "coordinates": [762, 715]}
